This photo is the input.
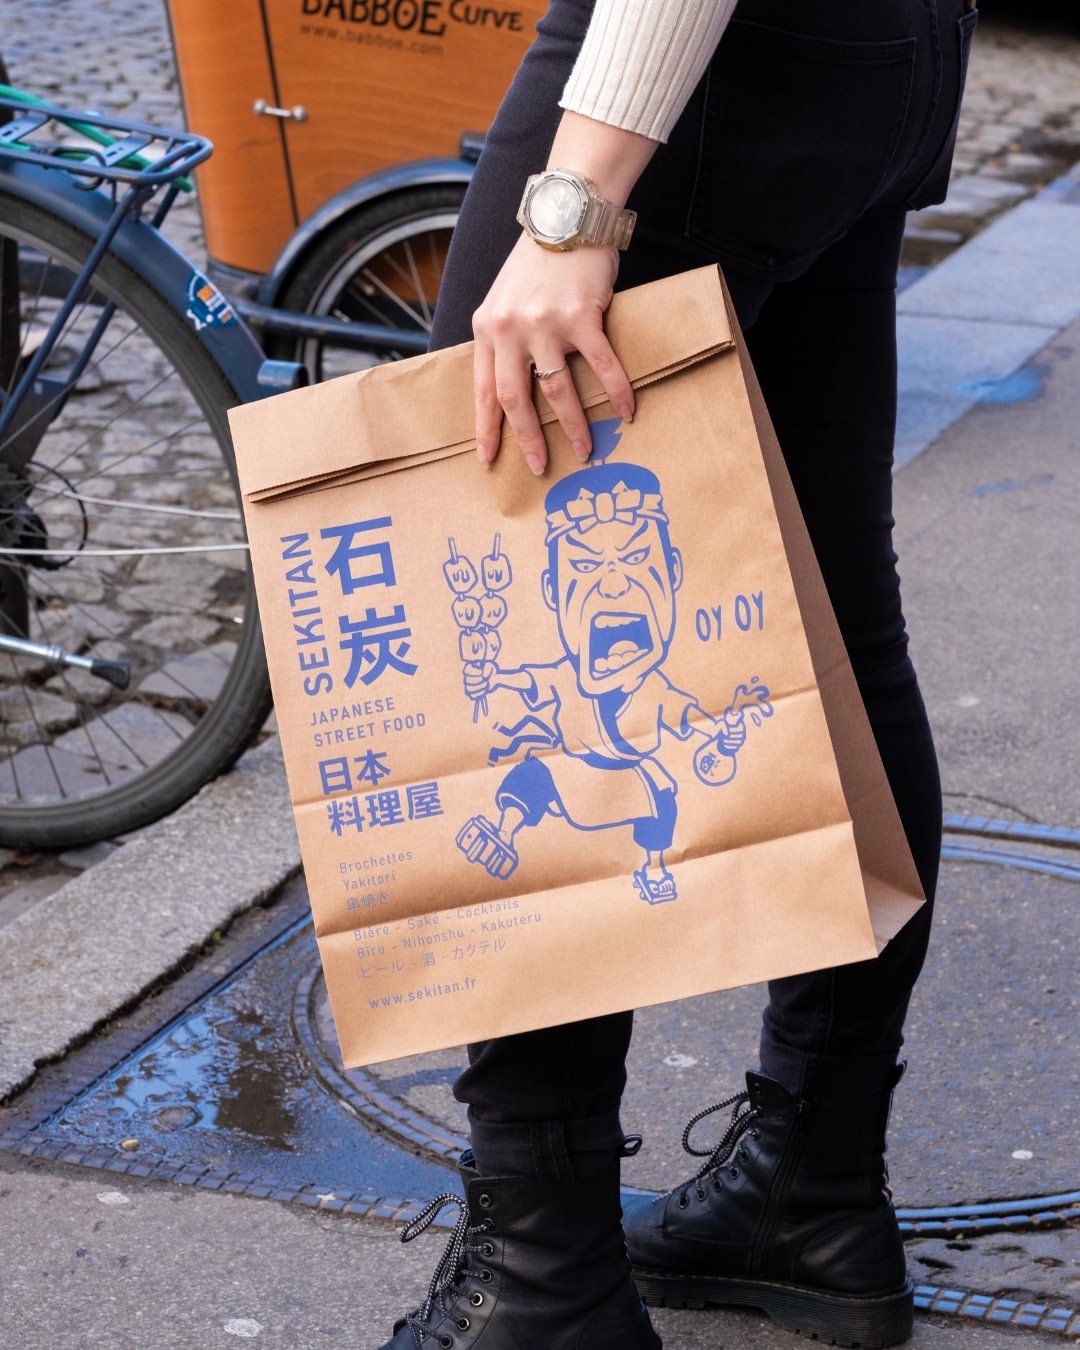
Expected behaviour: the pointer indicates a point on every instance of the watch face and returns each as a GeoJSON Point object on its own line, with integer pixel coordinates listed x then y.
{"type": "Point", "coordinates": [556, 208]}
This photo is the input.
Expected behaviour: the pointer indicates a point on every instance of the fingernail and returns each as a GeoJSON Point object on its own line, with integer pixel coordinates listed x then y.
{"type": "Point", "coordinates": [581, 450]}
{"type": "Point", "coordinates": [626, 412]}
{"type": "Point", "coordinates": [535, 463]}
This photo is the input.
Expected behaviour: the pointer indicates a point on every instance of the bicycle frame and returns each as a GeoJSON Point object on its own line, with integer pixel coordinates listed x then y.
{"type": "Point", "coordinates": [70, 190]}
{"type": "Point", "coordinates": [116, 162]}
{"type": "Point", "coordinates": [121, 359]}
{"type": "Point", "coordinates": [104, 192]}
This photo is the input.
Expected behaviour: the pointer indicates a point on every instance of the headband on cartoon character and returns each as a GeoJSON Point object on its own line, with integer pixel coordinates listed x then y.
{"type": "Point", "coordinates": [589, 509]}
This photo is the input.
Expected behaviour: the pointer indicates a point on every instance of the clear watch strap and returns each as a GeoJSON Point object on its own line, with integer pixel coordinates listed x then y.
{"type": "Point", "coordinates": [609, 224]}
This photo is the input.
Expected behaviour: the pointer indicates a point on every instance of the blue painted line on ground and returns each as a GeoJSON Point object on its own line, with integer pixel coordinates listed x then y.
{"type": "Point", "coordinates": [1064, 836]}
{"type": "Point", "coordinates": [1000, 1311]}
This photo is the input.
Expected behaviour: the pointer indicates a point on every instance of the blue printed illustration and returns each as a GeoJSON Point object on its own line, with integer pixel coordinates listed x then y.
{"type": "Point", "coordinates": [596, 716]}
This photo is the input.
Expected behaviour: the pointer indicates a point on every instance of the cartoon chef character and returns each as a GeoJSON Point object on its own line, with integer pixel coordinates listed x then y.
{"type": "Point", "coordinates": [611, 580]}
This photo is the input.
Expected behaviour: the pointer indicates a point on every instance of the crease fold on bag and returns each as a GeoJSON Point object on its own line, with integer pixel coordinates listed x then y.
{"type": "Point", "coordinates": [376, 421]}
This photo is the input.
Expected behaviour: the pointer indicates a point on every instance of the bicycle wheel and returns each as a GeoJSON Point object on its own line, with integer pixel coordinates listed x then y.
{"type": "Point", "coordinates": [132, 467]}
{"type": "Point", "coordinates": [382, 264]}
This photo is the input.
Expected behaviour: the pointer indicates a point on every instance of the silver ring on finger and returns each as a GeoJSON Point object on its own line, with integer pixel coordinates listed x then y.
{"type": "Point", "coordinates": [547, 374]}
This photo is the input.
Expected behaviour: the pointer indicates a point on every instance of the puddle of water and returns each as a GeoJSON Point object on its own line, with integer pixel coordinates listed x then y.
{"type": "Point", "coordinates": [227, 1087]}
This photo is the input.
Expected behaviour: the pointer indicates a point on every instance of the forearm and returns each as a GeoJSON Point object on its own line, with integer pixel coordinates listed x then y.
{"type": "Point", "coordinates": [638, 66]}
{"type": "Point", "coordinates": [613, 158]}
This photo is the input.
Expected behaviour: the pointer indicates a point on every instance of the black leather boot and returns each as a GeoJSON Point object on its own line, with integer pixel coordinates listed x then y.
{"type": "Point", "coordinates": [531, 1265]}
{"type": "Point", "coordinates": [791, 1213]}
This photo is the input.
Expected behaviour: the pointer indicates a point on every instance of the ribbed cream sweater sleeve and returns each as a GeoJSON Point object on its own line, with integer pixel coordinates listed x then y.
{"type": "Point", "coordinates": [641, 59]}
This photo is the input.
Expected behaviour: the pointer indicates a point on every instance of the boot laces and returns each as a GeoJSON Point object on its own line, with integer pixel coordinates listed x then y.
{"type": "Point", "coordinates": [743, 1116]}
{"type": "Point", "coordinates": [446, 1281]}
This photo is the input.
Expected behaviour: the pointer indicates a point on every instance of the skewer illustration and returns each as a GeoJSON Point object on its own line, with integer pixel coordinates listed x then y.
{"type": "Point", "coordinates": [478, 608]}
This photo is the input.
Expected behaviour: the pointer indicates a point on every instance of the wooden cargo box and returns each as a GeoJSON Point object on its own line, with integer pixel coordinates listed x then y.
{"type": "Point", "coordinates": [367, 84]}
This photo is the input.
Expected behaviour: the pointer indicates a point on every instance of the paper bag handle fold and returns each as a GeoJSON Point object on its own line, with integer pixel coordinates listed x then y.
{"type": "Point", "coordinates": [379, 421]}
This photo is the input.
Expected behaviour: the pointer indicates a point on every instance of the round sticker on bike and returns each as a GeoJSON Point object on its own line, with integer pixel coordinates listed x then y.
{"type": "Point", "coordinates": [206, 306]}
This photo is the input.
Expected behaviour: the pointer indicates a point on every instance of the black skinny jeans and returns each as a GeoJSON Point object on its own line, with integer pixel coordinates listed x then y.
{"type": "Point", "coordinates": [815, 129]}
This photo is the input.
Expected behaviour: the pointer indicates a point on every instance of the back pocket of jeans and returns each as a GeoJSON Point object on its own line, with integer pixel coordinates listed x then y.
{"type": "Point", "coordinates": [935, 183]}
{"type": "Point", "coordinates": [798, 134]}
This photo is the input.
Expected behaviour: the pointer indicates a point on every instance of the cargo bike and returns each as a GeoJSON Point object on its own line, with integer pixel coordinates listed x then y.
{"type": "Point", "coordinates": [345, 133]}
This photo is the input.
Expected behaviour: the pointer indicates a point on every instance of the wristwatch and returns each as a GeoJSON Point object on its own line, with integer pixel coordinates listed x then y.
{"type": "Point", "coordinates": [562, 210]}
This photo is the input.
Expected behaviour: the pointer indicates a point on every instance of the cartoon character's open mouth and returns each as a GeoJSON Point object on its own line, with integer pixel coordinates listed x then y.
{"type": "Point", "coordinates": [617, 641]}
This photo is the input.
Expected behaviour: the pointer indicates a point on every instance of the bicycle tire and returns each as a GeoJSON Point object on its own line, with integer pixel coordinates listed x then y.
{"type": "Point", "coordinates": [382, 263]}
{"type": "Point", "coordinates": [138, 461]}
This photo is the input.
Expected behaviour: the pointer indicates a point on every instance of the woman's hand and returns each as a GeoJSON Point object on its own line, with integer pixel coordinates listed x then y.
{"type": "Point", "coordinates": [542, 306]}
{"type": "Point", "coordinates": [545, 304]}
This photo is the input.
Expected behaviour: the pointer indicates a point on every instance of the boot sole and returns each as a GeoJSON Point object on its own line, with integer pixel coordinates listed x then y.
{"type": "Point", "coordinates": [853, 1323]}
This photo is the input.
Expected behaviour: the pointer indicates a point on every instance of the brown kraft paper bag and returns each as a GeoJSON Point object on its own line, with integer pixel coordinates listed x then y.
{"type": "Point", "coordinates": [568, 745]}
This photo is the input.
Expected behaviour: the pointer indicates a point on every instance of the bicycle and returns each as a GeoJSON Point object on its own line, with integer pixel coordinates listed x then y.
{"type": "Point", "coordinates": [131, 661]}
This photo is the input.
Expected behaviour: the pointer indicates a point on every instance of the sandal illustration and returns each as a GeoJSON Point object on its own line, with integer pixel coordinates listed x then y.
{"type": "Point", "coordinates": [482, 843]}
{"type": "Point", "coordinates": [655, 890]}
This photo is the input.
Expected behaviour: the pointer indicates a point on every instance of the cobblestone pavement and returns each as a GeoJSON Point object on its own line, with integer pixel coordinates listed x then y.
{"type": "Point", "coordinates": [114, 56]}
